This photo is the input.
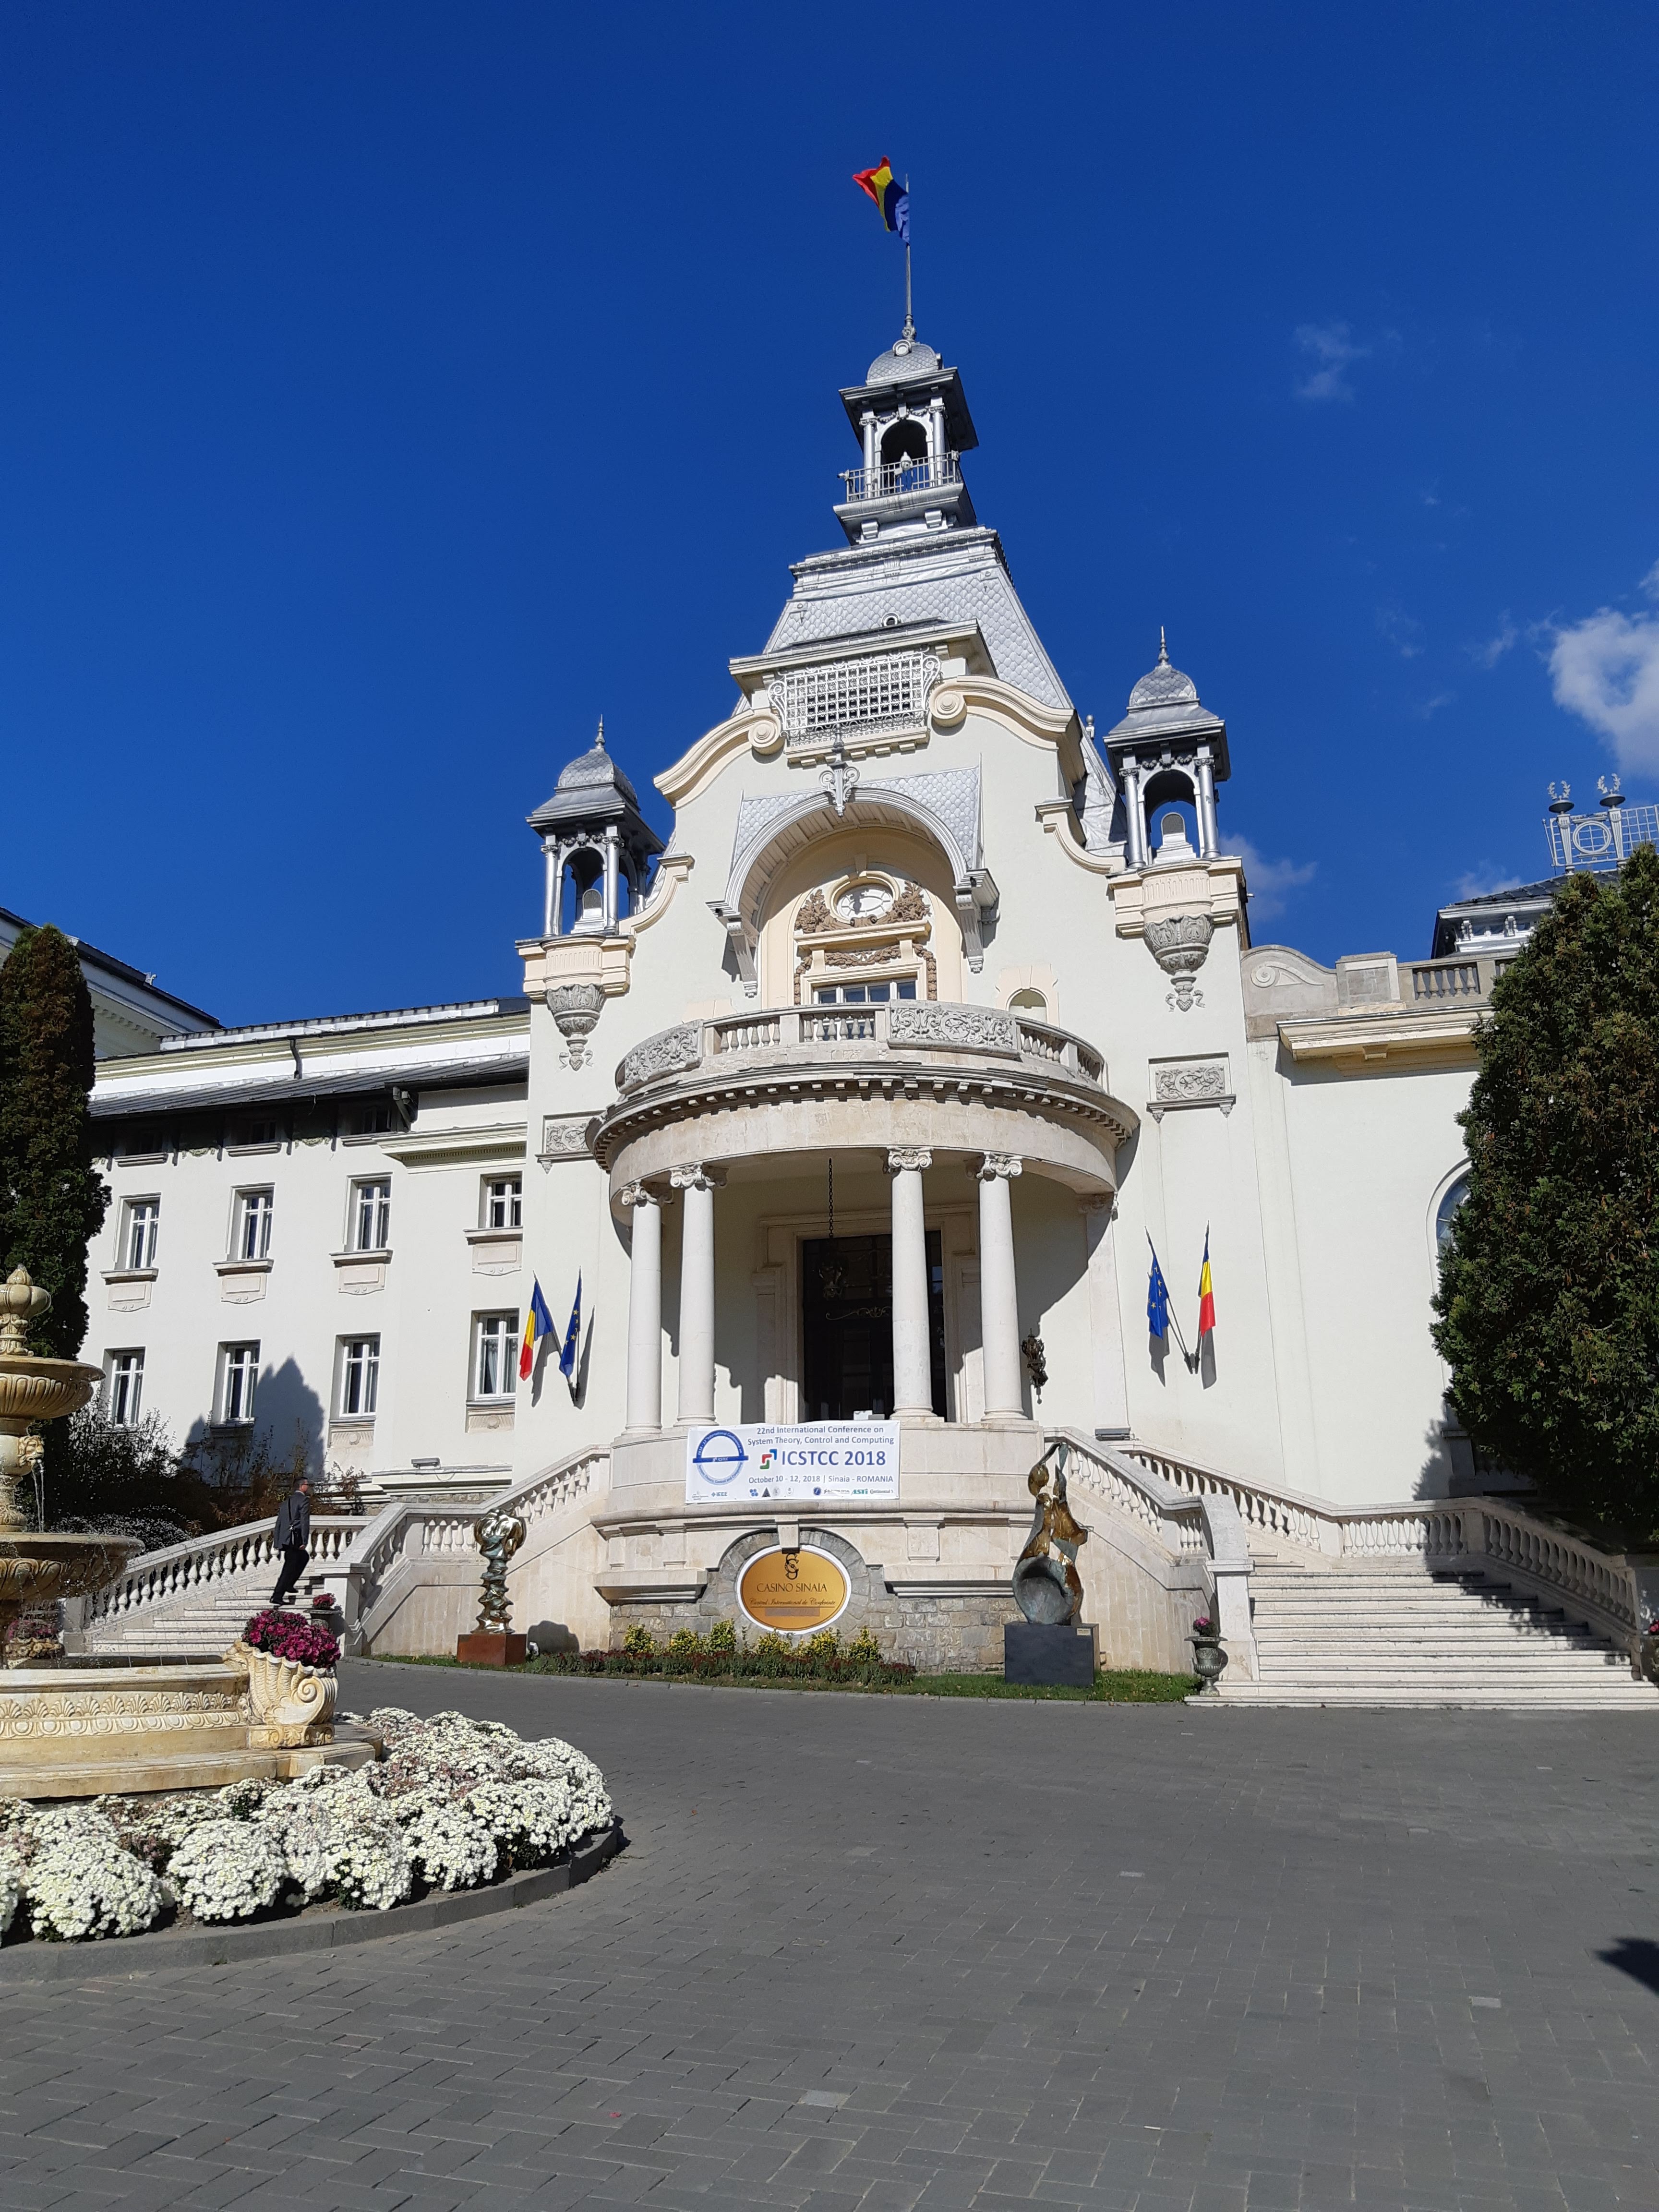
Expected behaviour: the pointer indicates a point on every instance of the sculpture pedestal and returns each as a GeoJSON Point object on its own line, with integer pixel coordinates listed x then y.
{"type": "Point", "coordinates": [491, 1647]}
{"type": "Point", "coordinates": [1046, 1657]}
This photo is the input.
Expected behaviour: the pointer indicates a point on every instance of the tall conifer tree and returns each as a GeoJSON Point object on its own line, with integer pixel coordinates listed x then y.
{"type": "Point", "coordinates": [1549, 1286]}
{"type": "Point", "coordinates": [52, 1201]}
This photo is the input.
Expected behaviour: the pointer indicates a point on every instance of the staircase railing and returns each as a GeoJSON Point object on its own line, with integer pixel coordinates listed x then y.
{"type": "Point", "coordinates": [205, 1566]}
{"type": "Point", "coordinates": [1614, 1593]}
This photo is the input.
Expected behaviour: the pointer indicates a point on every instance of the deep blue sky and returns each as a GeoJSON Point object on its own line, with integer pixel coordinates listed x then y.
{"type": "Point", "coordinates": [387, 389]}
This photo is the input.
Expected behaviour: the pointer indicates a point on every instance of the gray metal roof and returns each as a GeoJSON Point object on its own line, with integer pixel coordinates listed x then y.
{"type": "Point", "coordinates": [276, 1087]}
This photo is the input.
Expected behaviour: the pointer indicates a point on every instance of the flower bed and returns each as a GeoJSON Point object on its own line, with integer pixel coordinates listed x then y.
{"type": "Point", "coordinates": [723, 1654]}
{"type": "Point", "coordinates": [454, 1804]}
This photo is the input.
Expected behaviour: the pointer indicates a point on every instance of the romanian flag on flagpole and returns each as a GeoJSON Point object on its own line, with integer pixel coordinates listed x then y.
{"type": "Point", "coordinates": [892, 197]}
{"type": "Point", "coordinates": [537, 1323]}
{"type": "Point", "coordinates": [1205, 1295]}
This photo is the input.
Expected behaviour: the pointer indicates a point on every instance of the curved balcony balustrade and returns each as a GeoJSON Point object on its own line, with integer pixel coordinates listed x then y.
{"type": "Point", "coordinates": [869, 1075]}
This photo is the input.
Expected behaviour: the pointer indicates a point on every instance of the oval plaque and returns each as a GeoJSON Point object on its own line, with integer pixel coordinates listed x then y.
{"type": "Point", "coordinates": [793, 1591]}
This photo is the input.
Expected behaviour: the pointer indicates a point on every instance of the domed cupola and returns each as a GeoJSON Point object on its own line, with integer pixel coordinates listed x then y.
{"type": "Point", "coordinates": [592, 830]}
{"type": "Point", "coordinates": [1167, 747]}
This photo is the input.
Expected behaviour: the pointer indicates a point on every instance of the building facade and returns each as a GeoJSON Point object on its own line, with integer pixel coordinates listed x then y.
{"type": "Point", "coordinates": [871, 1092]}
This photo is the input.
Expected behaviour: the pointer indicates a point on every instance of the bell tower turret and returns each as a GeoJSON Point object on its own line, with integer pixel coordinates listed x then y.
{"type": "Point", "coordinates": [911, 418]}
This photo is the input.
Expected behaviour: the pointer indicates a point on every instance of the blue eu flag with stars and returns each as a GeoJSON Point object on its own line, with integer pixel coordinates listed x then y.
{"type": "Point", "coordinates": [572, 1337]}
{"type": "Point", "coordinates": [1157, 1301]}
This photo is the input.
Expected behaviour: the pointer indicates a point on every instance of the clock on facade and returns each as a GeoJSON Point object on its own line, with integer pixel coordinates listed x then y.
{"type": "Point", "coordinates": [864, 901]}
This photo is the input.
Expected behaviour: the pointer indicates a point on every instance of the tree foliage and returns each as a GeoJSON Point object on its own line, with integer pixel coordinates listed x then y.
{"type": "Point", "coordinates": [1549, 1286]}
{"type": "Point", "coordinates": [52, 1201]}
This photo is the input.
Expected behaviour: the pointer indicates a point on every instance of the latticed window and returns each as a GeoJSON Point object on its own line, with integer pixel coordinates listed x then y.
{"type": "Point", "coordinates": [253, 1213]}
{"type": "Point", "coordinates": [238, 1372]}
{"type": "Point", "coordinates": [504, 1202]}
{"type": "Point", "coordinates": [143, 1219]}
{"type": "Point", "coordinates": [495, 1355]}
{"type": "Point", "coordinates": [123, 1390]}
{"type": "Point", "coordinates": [888, 691]}
{"type": "Point", "coordinates": [371, 1216]}
{"type": "Point", "coordinates": [359, 1375]}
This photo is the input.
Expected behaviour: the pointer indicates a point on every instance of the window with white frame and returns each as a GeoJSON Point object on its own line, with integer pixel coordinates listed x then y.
{"type": "Point", "coordinates": [360, 1377]}
{"type": "Point", "coordinates": [864, 995]}
{"type": "Point", "coordinates": [123, 1388]}
{"type": "Point", "coordinates": [251, 1238]}
{"type": "Point", "coordinates": [371, 1215]}
{"type": "Point", "coordinates": [503, 1202]}
{"type": "Point", "coordinates": [238, 1371]}
{"type": "Point", "coordinates": [494, 1354]}
{"type": "Point", "coordinates": [141, 1218]}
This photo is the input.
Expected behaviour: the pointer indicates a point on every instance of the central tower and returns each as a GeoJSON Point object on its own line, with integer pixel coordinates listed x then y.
{"type": "Point", "coordinates": [911, 418]}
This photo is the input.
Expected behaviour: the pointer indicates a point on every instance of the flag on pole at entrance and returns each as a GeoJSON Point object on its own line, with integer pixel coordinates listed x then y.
{"type": "Point", "coordinates": [572, 1337]}
{"type": "Point", "coordinates": [537, 1323]}
{"type": "Point", "coordinates": [1205, 1295]}
{"type": "Point", "coordinates": [892, 197]}
{"type": "Point", "coordinates": [1158, 1298]}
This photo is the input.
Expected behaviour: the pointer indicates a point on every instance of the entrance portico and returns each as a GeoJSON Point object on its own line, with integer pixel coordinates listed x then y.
{"type": "Point", "coordinates": [778, 1098]}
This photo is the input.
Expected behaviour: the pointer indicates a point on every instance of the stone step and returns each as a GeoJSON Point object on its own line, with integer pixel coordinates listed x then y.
{"type": "Point", "coordinates": [1634, 1695]}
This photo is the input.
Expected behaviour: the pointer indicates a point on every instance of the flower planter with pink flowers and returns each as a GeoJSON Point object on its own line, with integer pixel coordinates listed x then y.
{"type": "Point", "coordinates": [292, 1688]}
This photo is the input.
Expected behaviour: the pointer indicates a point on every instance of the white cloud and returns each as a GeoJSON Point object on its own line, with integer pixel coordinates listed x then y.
{"type": "Point", "coordinates": [1489, 654]}
{"type": "Point", "coordinates": [1485, 875]}
{"type": "Point", "coordinates": [1605, 669]}
{"type": "Point", "coordinates": [1426, 709]}
{"type": "Point", "coordinates": [1331, 348]}
{"type": "Point", "coordinates": [1271, 882]}
{"type": "Point", "coordinates": [1403, 631]}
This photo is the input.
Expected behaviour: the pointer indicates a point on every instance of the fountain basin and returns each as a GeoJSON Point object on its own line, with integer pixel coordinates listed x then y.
{"type": "Point", "coordinates": [84, 1731]}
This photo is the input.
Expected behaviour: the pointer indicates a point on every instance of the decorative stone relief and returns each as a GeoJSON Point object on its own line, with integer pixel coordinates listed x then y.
{"type": "Point", "coordinates": [903, 1157]}
{"type": "Point", "coordinates": [697, 1175]}
{"type": "Point", "coordinates": [564, 1137]}
{"type": "Point", "coordinates": [639, 1194]}
{"type": "Point", "coordinates": [1180, 943]}
{"type": "Point", "coordinates": [1189, 1083]}
{"type": "Point", "coordinates": [990, 1165]}
{"type": "Point", "coordinates": [666, 1053]}
{"type": "Point", "coordinates": [576, 1008]}
{"type": "Point", "coordinates": [972, 1029]}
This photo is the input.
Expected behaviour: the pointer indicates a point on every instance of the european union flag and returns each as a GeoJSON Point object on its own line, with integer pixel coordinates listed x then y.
{"type": "Point", "coordinates": [572, 1337]}
{"type": "Point", "coordinates": [1157, 1300]}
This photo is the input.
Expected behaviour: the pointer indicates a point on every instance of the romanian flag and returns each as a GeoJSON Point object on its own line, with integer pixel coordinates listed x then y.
{"type": "Point", "coordinates": [892, 197]}
{"type": "Point", "coordinates": [537, 1323]}
{"type": "Point", "coordinates": [1205, 1295]}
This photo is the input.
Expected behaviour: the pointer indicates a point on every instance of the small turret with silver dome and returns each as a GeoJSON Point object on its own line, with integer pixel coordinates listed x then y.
{"type": "Point", "coordinates": [911, 419]}
{"type": "Point", "coordinates": [597, 841]}
{"type": "Point", "coordinates": [1167, 748]}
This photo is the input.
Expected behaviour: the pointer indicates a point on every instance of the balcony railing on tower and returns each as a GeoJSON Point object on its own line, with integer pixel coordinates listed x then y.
{"type": "Point", "coordinates": [885, 691]}
{"type": "Point", "coordinates": [896, 479]}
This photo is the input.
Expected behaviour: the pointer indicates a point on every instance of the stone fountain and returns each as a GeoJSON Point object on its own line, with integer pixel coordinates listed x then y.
{"type": "Point", "coordinates": [74, 1731]}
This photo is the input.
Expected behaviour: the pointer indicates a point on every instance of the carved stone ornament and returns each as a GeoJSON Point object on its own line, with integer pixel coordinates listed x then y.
{"type": "Point", "coordinates": [971, 1029]}
{"type": "Point", "coordinates": [640, 1194]}
{"type": "Point", "coordinates": [697, 1175]}
{"type": "Point", "coordinates": [565, 1139]}
{"type": "Point", "coordinates": [1180, 943]}
{"type": "Point", "coordinates": [576, 1008]}
{"type": "Point", "coordinates": [289, 1702]}
{"type": "Point", "coordinates": [813, 915]}
{"type": "Point", "coordinates": [1189, 1083]}
{"type": "Point", "coordinates": [990, 1165]}
{"type": "Point", "coordinates": [666, 1053]}
{"type": "Point", "coordinates": [905, 1157]}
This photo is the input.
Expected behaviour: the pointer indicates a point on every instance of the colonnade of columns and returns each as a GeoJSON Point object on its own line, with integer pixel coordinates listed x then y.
{"type": "Point", "coordinates": [913, 1385]}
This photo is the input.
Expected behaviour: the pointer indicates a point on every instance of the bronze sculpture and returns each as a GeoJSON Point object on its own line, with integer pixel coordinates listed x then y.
{"type": "Point", "coordinates": [1047, 1586]}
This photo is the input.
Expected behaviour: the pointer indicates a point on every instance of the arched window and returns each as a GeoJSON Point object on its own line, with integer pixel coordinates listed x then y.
{"type": "Point", "coordinates": [1030, 1002]}
{"type": "Point", "coordinates": [1446, 1212]}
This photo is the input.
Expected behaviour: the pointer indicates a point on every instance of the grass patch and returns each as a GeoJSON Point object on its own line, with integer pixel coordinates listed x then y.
{"type": "Point", "coordinates": [1118, 1685]}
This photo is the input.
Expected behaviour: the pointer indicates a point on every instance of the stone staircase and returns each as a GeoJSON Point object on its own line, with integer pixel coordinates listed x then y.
{"type": "Point", "coordinates": [198, 1626]}
{"type": "Point", "coordinates": [193, 1600]}
{"type": "Point", "coordinates": [1397, 1634]}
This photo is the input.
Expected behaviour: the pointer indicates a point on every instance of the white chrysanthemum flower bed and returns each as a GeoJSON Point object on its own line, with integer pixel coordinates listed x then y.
{"type": "Point", "coordinates": [454, 1804]}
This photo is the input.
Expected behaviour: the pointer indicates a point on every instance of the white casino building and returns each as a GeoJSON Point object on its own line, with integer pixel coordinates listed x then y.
{"type": "Point", "coordinates": [924, 949]}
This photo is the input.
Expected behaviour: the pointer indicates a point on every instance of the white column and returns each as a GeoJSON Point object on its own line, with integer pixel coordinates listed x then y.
{"type": "Point", "coordinates": [644, 1309]}
{"type": "Point", "coordinates": [610, 857]}
{"type": "Point", "coordinates": [998, 1293]}
{"type": "Point", "coordinates": [1209, 833]}
{"type": "Point", "coordinates": [555, 855]}
{"type": "Point", "coordinates": [1111, 1381]}
{"type": "Point", "coordinates": [697, 1291]}
{"type": "Point", "coordinates": [1134, 815]}
{"type": "Point", "coordinates": [913, 1366]}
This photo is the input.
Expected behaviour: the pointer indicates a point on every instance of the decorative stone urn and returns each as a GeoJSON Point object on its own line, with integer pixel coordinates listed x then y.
{"type": "Point", "coordinates": [289, 1702]}
{"type": "Point", "coordinates": [1179, 944]}
{"type": "Point", "coordinates": [1209, 1661]}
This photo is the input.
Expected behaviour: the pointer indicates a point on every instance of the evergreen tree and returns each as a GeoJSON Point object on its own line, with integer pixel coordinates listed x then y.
{"type": "Point", "coordinates": [1549, 1286]}
{"type": "Point", "coordinates": [51, 1200]}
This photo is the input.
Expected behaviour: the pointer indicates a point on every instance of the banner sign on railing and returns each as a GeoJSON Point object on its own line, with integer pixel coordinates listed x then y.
{"type": "Point", "coordinates": [830, 1461]}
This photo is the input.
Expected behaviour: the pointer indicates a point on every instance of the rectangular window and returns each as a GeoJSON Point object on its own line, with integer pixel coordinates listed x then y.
{"type": "Point", "coordinates": [495, 1355]}
{"type": "Point", "coordinates": [238, 1371]}
{"type": "Point", "coordinates": [151, 1144]}
{"type": "Point", "coordinates": [252, 1238]}
{"type": "Point", "coordinates": [371, 1216]}
{"type": "Point", "coordinates": [374, 1119]}
{"type": "Point", "coordinates": [860, 994]}
{"type": "Point", "coordinates": [123, 1388]}
{"type": "Point", "coordinates": [503, 1207]}
{"type": "Point", "coordinates": [360, 1377]}
{"type": "Point", "coordinates": [263, 1129]}
{"type": "Point", "coordinates": [141, 1220]}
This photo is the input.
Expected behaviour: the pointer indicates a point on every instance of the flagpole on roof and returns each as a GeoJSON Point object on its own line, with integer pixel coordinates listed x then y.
{"type": "Point", "coordinates": [909, 319]}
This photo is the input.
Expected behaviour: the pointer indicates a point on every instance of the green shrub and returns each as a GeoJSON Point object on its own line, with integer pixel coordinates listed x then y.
{"type": "Point", "coordinates": [639, 1642]}
{"type": "Point", "coordinates": [723, 1637]}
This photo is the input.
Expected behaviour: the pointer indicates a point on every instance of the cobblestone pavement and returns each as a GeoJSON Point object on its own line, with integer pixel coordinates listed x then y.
{"type": "Point", "coordinates": [867, 1954]}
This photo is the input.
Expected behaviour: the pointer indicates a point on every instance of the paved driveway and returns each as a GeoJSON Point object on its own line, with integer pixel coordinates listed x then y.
{"type": "Point", "coordinates": [886, 1953]}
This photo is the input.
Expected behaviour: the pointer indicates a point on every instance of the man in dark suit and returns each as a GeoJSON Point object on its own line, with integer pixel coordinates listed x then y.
{"type": "Point", "coordinates": [292, 1538]}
